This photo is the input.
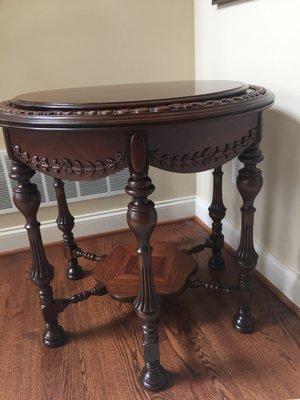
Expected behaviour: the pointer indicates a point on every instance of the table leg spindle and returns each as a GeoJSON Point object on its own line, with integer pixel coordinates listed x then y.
{"type": "Point", "coordinates": [217, 212]}
{"type": "Point", "coordinates": [142, 218]}
{"type": "Point", "coordinates": [65, 222]}
{"type": "Point", "coordinates": [249, 183]}
{"type": "Point", "coordinates": [27, 199]}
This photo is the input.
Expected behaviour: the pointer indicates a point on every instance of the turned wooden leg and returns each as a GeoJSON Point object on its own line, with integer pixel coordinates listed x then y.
{"type": "Point", "coordinates": [142, 218]}
{"type": "Point", "coordinates": [249, 183]}
{"type": "Point", "coordinates": [27, 199]}
{"type": "Point", "coordinates": [217, 212]}
{"type": "Point", "coordinates": [65, 222]}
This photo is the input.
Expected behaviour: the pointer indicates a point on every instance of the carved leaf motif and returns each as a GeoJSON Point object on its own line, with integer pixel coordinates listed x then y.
{"type": "Point", "coordinates": [26, 157]}
{"type": "Point", "coordinates": [89, 168]}
{"type": "Point", "coordinates": [68, 167]}
{"type": "Point", "coordinates": [154, 156]}
{"type": "Point", "coordinates": [78, 169]}
{"type": "Point", "coordinates": [165, 160]}
{"type": "Point", "coordinates": [197, 159]}
{"type": "Point", "coordinates": [101, 167]}
{"type": "Point", "coordinates": [187, 161]}
{"type": "Point", "coordinates": [208, 157]}
{"type": "Point", "coordinates": [228, 151]}
{"type": "Point", "coordinates": [176, 162]}
{"type": "Point", "coordinates": [219, 153]}
{"type": "Point", "coordinates": [55, 166]}
{"type": "Point", "coordinates": [44, 164]}
{"type": "Point", "coordinates": [110, 164]}
{"type": "Point", "coordinates": [35, 161]}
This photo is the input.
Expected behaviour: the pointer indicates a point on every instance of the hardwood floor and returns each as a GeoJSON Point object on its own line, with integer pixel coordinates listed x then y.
{"type": "Point", "coordinates": [205, 357]}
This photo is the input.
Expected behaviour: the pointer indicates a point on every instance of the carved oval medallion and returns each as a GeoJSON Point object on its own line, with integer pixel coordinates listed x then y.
{"type": "Point", "coordinates": [138, 152]}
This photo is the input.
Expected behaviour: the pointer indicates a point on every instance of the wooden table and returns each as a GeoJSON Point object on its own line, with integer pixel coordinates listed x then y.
{"type": "Point", "coordinates": [88, 133]}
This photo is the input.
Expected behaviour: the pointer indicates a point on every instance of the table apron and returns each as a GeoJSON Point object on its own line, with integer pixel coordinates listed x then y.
{"type": "Point", "coordinates": [83, 155]}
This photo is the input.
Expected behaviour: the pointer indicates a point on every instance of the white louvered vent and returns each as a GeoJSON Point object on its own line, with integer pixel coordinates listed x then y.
{"type": "Point", "coordinates": [75, 191]}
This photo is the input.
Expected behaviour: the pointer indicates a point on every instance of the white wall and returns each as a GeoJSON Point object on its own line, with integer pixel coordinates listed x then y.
{"type": "Point", "coordinates": [257, 41]}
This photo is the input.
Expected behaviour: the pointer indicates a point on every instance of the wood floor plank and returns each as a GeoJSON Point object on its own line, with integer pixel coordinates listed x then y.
{"type": "Point", "coordinates": [204, 356]}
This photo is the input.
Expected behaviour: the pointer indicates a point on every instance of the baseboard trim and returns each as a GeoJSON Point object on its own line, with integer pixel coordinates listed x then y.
{"type": "Point", "coordinates": [280, 275]}
{"type": "Point", "coordinates": [15, 238]}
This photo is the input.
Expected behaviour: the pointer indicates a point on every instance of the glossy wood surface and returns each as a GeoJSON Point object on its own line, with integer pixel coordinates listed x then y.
{"type": "Point", "coordinates": [91, 154]}
{"type": "Point", "coordinates": [142, 104]}
{"type": "Point", "coordinates": [204, 356]}
{"type": "Point", "coordinates": [101, 97]}
{"type": "Point", "coordinates": [119, 271]}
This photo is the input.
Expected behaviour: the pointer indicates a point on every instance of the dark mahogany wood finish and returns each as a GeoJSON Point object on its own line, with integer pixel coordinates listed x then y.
{"type": "Point", "coordinates": [65, 222]}
{"type": "Point", "coordinates": [119, 271]}
{"type": "Point", "coordinates": [249, 183]}
{"type": "Point", "coordinates": [27, 199]}
{"type": "Point", "coordinates": [89, 133]}
{"type": "Point", "coordinates": [217, 212]}
{"type": "Point", "coordinates": [142, 218]}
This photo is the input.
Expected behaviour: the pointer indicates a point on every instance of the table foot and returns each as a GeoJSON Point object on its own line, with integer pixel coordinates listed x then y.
{"type": "Point", "coordinates": [54, 336]}
{"type": "Point", "coordinates": [153, 377]}
{"type": "Point", "coordinates": [243, 321]}
{"type": "Point", "coordinates": [74, 270]}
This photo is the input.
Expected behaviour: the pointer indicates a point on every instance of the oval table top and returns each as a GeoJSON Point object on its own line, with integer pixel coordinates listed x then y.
{"type": "Point", "coordinates": [145, 103]}
{"type": "Point", "coordinates": [136, 94]}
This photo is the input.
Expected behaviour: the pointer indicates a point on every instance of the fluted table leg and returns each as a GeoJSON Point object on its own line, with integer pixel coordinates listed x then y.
{"type": "Point", "coordinates": [27, 199]}
{"type": "Point", "coordinates": [249, 183]}
{"type": "Point", "coordinates": [217, 212]}
{"type": "Point", "coordinates": [65, 222]}
{"type": "Point", "coordinates": [142, 218]}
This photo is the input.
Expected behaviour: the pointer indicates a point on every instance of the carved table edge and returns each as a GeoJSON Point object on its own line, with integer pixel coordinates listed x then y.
{"type": "Point", "coordinates": [8, 107]}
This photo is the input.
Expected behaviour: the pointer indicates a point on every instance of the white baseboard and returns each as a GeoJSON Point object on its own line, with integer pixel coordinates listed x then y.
{"type": "Point", "coordinates": [99, 222]}
{"type": "Point", "coordinates": [282, 276]}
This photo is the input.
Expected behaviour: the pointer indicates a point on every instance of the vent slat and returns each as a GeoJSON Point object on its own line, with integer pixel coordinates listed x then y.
{"type": "Point", "coordinates": [119, 180]}
{"type": "Point", "coordinates": [5, 200]}
{"type": "Point", "coordinates": [94, 187]}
